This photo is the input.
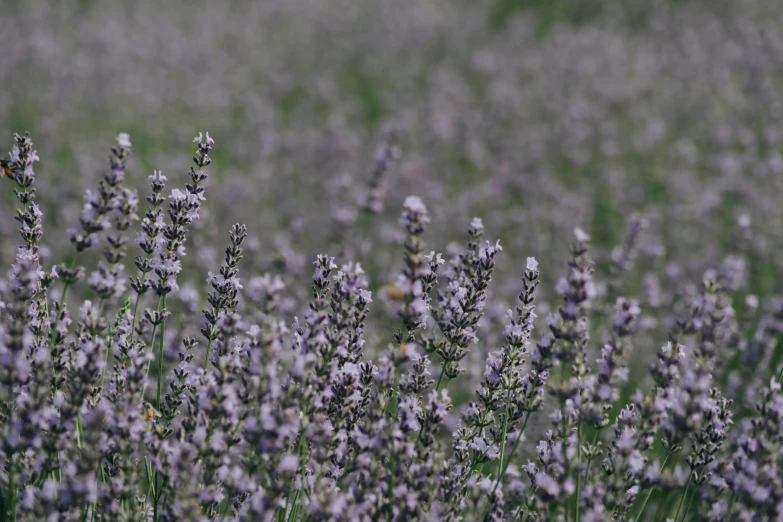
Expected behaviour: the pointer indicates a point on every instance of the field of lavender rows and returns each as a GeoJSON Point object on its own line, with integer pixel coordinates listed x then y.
{"type": "Point", "coordinates": [326, 260]}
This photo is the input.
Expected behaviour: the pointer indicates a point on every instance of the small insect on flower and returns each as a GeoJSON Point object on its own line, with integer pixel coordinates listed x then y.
{"type": "Point", "coordinates": [392, 292]}
{"type": "Point", "coordinates": [150, 412]}
{"type": "Point", "coordinates": [6, 166]}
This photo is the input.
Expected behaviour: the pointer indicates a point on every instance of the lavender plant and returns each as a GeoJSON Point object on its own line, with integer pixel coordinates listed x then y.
{"type": "Point", "coordinates": [327, 419]}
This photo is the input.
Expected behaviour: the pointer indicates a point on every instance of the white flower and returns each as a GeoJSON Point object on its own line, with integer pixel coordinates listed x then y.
{"type": "Point", "coordinates": [414, 204]}
{"type": "Point", "coordinates": [123, 140]}
{"type": "Point", "coordinates": [529, 468]}
{"type": "Point", "coordinates": [438, 258]}
{"type": "Point", "coordinates": [178, 195]}
{"type": "Point", "coordinates": [532, 264]}
{"type": "Point", "coordinates": [365, 295]}
{"type": "Point", "coordinates": [581, 235]}
{"type": "Point", "coordinates": [85, 308]}
{"type": "Point", "coordinates": [200, 139]}
{"type": "Point", "coordinates": [36, 212]}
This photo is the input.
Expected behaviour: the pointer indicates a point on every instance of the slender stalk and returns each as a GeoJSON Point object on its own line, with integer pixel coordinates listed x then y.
{"type": "Point", "coordinates": [391, 483]}
{"type": "Point", "coordinates": [474, 460]}
{"type": "Point", "coordinates": [136, 310]}
{"type": "Point", "coordinates": [293, 506]}
{"type": "Point", "coordinates": [160, 353]}
{"type": "Point", "coordinates": [578, 499]}
{"type": "Point", "coordinates": [46, 314]}
{"type": "Point", "coordinates": [688, 507]}
{"type": "Point", "coordinates": [12, 486]}
{"type": "Point", "coordinates": [152, 343]}
{"type": "Point", "coordinates": [155, 502]}
{"type": "Point", "coordinates": [299, 448]}
{"type": "Point", "coordinates": [649, 492]}
{"type": "Point", "coordinates": [502, 468]}
{"type": "Point", "coordinates": [564, 433]}
{"type": "Point", "coordinates": [206, 355]}
{"type": "Point", "coordinates": [516, 443]}
{"type": "Point", "coordinates": [95, 502]}
{"type": "Point", "coordinates": [437, 387]}
{"type": "Point", "coordinates": [517, 512]}
{"type": "Point", "coordinates": [590, 460]}
{"type": "Point", "coordinates": [105, 363]}
{"type": "Point", "coordinates": [682, 499]}
{"type": "Point", "coordinates": [161, 306]}
{"type": "Point", "coordinates": [440, 378]}
{"type": "Point", "coordinates": [79, 431]}
{"type": "Point", "coordinates": [732, 501]}
{"type": "Point", "coordinates": [503, 444]}
{"type": "Point", "coordinates": [60, 311]}
{"type": "Point", "coordinates": [522, 504]}
{"type": "Point", "coordinates": [150, 477]}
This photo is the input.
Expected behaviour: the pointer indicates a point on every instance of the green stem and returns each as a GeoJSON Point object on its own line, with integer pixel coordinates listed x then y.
{"type": "Point", "coordinates": [79, 431]}
{"type": "Point", "coordinates": [440, 378]}
{"type": "Point", "coordinates": [391, 483]}
{"type": "Point", "coordinates": [522, 504]}
{"type": "Point", "coordinates": [502, 468]}
{"type": "Point", "coordinates": [473, 464]}
{"type": "Point", "coordinates": [518, 511]}
{"type": "Point", "coordinates": [136, 311]}
{"type": "Point", "coordinates": [474, 461]}
{"type": "Point", "coordinates": [688, 507]}
{"type": "Point", "coordinates": [12, 487]}
{"type": "Point", "coordinates": [107, 354]}
{"type": "Point", "coordinates": [150, 477]}
{"type": "Point", "coordinates": [46, 314]}
{"type": "Point", "coordinates": [649, 492]}
{"type": "Point", "coordinates": [437, 387]}
{"type": "Point", "coordinates": [95, 502]}
{"type": "Point", "coordinates": [152, 344]}
{"type": "Point", "coordinates": [516, 444]}
{"type": "Point", "coordinates": [60, 311]}
{"type": "Point", "coordinates": [293, 505]}
{"type": "Point", "coordinates": [684, 494]}
{"type": "Point", "coordinates": [732, 500]}
{"type": "Point", "coordinates": [160, 306]}
{"type": "Point", "coordinates": [206, 355]}
{"type": "Point", "coordinates": [578, 475]}
{"type": "Point", "coordinates": [160, 354]}
{"type": "Point", "coordinates": [503, 444]}
{"type": "Point", "coordinates": [386, 408]}
{"type": "Point", "coordinates": [299, 449]}
{"type": "Point", "coordinates": [590, 460]}
{"type": "Point", "coordinates": [155, 501]}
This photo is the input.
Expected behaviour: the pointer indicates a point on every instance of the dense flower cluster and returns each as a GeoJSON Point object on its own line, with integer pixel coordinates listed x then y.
{"type": "Point", "coordinates": [139, 407]}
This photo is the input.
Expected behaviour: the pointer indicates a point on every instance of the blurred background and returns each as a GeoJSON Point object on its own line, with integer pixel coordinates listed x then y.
{"type": "Point", "coordinates": [654, 125]}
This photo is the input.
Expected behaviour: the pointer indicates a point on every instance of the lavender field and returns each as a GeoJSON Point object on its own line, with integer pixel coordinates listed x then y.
{"type": "Point", "coordinates": [342, 260]}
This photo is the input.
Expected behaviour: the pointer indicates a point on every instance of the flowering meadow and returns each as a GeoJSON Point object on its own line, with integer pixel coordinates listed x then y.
{"type": "Point", "coordinates": [480, 261]}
